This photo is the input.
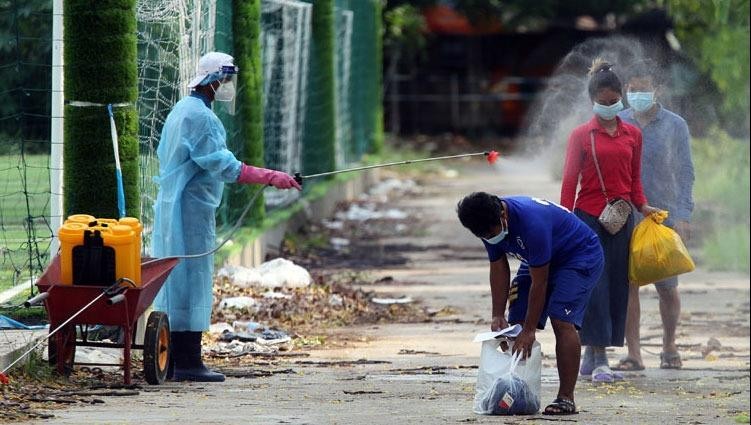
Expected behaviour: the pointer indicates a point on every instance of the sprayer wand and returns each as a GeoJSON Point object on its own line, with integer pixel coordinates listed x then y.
{"type": "Point", "coordinates": [492, 157]}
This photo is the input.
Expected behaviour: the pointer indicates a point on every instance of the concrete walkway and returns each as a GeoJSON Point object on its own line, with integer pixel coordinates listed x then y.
{"type": "Point", "coordinates": [429, 369]}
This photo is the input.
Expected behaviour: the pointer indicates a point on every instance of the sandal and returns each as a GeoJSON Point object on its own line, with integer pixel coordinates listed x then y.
{"type": "Point", "coordinates": [670, 361]}
{"type": "Point", "coordinates": [560, 406]}
{"type": "Point", "coordinates": [627, 364]}
{"type": "Point", "coordinates": [602, 374]}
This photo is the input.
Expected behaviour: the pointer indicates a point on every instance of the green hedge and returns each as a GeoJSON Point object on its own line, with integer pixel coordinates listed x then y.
{"type": "Point", "coordinates": [100, 67]}
{"type": "Point", "coordinates": [377, 140]}
{"type": "Point", "coordinates": [246, 31]}
{"type": "Point", "coordinates": [320, 124]}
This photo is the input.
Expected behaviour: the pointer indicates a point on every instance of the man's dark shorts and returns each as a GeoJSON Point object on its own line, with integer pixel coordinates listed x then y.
{"type": "Point", "coordinates": [568, 292]}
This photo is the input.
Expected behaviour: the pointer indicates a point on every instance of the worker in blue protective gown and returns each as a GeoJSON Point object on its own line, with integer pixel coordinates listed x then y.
{"type": "Point", "coordinates": [194, 164]}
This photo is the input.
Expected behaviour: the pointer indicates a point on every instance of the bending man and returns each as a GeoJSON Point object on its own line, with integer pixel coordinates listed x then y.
{"type": "Point", "coordinates": [561, 262]}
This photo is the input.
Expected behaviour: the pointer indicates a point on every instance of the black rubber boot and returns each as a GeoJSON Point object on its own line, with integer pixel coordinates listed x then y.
{"type": "Point", "coordinates": [188, 365]}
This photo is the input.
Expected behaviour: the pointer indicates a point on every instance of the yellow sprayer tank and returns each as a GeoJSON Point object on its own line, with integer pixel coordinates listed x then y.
{"type": "Point", "coordinates": [100, 251]}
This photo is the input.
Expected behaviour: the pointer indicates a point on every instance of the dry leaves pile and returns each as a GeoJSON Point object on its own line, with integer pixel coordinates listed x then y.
{"type": "Point", "coordinates": [33, 397]}
{"type": "Point", "coordinates": [321, 305]}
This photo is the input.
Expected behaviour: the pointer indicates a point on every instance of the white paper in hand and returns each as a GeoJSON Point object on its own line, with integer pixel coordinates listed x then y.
{"type": "Point", "coordinates": [511, 332]}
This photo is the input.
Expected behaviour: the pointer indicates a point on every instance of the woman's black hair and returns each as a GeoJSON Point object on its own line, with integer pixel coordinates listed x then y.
{"type": "Point", "coordinates": [479, 212]}
{"type": "Point", "coordinates": [601, 76]}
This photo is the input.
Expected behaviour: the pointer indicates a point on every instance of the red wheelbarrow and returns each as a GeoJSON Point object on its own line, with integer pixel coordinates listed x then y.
{"type": "Point", "coordinates": [121, 306]}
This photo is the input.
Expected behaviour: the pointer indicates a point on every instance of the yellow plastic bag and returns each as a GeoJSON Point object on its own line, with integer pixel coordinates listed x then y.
{"type": "Point", "coordinates": [656, 252]}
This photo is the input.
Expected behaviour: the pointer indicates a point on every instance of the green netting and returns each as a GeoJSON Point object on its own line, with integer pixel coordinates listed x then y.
{"type": "Point", "coordinates": [345, 154]}
{"type": "Point", "coordinates": [285, 42]}
{"type": "Point", "coordinates": [172, 35]}
{"type": "Point", "coordinates": [25, 48]}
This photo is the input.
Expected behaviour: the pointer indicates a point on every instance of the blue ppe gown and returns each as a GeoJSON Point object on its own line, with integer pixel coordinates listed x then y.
{"type": "Point", "coordinates": [194, 163]}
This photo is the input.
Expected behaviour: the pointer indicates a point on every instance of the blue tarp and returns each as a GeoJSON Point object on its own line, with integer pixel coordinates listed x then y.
{"type": "Point", "coordinates": [8, 323]}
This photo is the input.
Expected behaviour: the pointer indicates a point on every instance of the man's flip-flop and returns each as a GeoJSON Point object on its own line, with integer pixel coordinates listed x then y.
{"type": "Point", "coordinates": [670, 361]}
{"type": "Point", "coordinates": [627, 364]}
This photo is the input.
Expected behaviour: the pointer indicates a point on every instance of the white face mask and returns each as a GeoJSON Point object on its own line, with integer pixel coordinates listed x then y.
{"type": "Point", "coordinates": [495, 240]}
{"type": "Point", "coordinates": [225, 92]}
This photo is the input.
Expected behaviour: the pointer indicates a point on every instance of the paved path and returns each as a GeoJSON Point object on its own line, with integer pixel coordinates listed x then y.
{"type": "Point", "coordinates": [436, 385]}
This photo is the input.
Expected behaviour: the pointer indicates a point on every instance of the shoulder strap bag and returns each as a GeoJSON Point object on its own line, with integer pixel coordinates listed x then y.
{"type": "Point", "coordinates": [617, 210]}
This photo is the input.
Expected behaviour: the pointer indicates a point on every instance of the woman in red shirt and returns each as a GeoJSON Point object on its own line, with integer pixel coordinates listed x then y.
{"type": "Point", "coordinates": [618, 152]}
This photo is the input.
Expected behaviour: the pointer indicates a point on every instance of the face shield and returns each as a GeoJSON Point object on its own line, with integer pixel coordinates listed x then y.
{"type": "Point", "coordinates": [225, 93]}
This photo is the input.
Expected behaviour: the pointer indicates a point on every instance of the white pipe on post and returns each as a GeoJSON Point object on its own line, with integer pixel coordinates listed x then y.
{"type": "Point", "coordinates": [56, 136]}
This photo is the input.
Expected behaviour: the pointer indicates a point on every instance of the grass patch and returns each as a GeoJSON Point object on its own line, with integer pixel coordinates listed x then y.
{"type": "Point", "coordinates": [728, 249]}
{"type": "Point", "coordinates": [722, 195]}
{"type": "Point", "coordinates": [35, 368]}
{"type": "Point", "coordinates": [25, 206]}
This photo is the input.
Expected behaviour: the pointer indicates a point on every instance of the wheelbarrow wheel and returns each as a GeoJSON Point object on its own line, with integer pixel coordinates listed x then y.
{"type": "Point", "coordinates": [156, 348]}
{"type": "Point", "coordinates": [63, 345]}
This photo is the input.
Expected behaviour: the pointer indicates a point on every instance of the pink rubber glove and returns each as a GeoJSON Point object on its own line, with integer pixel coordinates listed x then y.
{"type": "Point", "coordinates": [278, 179]}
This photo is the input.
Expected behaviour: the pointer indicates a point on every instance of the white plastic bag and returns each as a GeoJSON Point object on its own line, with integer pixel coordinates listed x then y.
{"type": "Point", "coordinates": [507, 385]}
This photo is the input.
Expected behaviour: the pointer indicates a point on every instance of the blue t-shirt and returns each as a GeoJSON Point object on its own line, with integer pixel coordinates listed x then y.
{"type": "Point", "coordinates": [543, 232]}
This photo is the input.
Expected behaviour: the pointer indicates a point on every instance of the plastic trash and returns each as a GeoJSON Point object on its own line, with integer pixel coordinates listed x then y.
{"type": "Point", "coordinates": [274, 294]}
{"type": "Point", "coordinates": [339, 243]}
{"type": "Point", "coordinates": [219, 327]}
{"type": "Point", "coordinates": [387, 301]}
{"type": "Point", "coordinates": [237, 303]}
{"type": "Point", "coordinates": [368, 212]}
{"type": "Point", "coordinates": [336, 300]}
{"type": "Point", "coordinates": [281, 273]}
{"type": "Point", "coordinates": [277, 273]}
{"type": "Point", "coordinates": [229, 336]}
{"type": "Point", "coordinates": [245, 326]}
{"type": "Point", "coordinates": [273, 337]}
{"type": "Point", "coordinates": [507, 385]}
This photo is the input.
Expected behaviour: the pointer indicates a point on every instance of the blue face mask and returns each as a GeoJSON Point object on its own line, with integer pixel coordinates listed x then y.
{"type": "Point", "coordinates": [641, 101]}
{"type": "Point", "coordinates": [607, 112]}
{"type": "Point", "coordinates": [495, 240]}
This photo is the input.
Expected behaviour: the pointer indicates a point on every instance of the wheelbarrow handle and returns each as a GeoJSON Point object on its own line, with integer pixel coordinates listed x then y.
{"type": "Point", "coordinates": [116, 299]}
{"type": "Point", "coordinates": [36, 299]}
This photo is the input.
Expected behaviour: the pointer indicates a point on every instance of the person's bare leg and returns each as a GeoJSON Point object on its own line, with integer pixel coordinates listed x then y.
{"type": "Point", "coordinates": [633, 322]}
{"type": "Point", "coordinates": [670, 311]}
{"type": "Point", "coordinates": [567, 355]}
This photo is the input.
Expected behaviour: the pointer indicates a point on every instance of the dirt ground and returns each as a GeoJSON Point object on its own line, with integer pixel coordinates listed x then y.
{"type": "Point", "coordinates": [424, 372]}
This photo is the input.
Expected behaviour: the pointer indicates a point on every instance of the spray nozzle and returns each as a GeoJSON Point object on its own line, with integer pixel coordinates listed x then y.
{"type": "Point", "coordinates": [492, 156]}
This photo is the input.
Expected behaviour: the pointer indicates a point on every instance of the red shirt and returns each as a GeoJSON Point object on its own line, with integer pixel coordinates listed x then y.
{"type": "Point", "coordinates": [619, 157]}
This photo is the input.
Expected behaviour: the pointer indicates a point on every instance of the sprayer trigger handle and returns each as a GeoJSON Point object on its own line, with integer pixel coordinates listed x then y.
{"type": "Point", "coordinates": [298, 178]}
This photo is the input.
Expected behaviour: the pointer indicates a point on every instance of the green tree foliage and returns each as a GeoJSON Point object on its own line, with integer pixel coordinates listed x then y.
{"type": "Point", "coordinates": [716, 35]}
{"type": "Point", "coordinates": [100, 67]}
{"type": "Point", "coordinates": [320, 122]}
{"type": "Point", "coordinates": [404, 29]}
{"type": "Point", "coordinates": [25, 47]}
